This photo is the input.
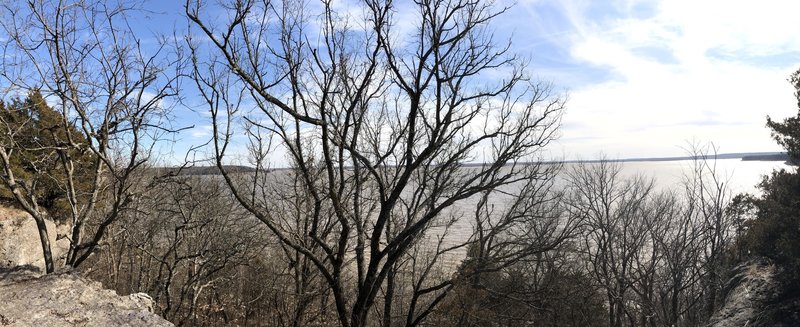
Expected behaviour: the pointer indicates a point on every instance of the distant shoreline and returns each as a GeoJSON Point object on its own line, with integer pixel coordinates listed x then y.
{"type": "Point", "coordinates": [745, 156]}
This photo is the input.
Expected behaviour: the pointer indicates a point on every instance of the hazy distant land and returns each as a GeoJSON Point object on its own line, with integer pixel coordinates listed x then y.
{"type": "Point", "coordinates": [744, 156]}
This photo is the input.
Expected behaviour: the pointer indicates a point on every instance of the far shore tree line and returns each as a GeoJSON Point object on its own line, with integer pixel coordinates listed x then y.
{"type": "Point", "coordinates": [382, 219]}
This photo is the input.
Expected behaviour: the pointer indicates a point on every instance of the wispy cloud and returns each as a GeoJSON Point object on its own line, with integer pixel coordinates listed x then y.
{"type": "Point", "coordinates": [662, 72]}
{"type": "Point", "coordinates": [643, 76]}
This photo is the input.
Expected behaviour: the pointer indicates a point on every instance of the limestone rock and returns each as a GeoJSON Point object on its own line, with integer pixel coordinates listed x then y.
{"type": "Point", "coordinates": [19, 240]}
{"type": "Point", "coordinates": [754, 299]}
{"type": "Point", "coordinates": [66, 299]}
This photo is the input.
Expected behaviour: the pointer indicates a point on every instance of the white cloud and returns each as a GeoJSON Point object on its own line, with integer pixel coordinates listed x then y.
{"type": "Point", "coordinates": [747, 27]}
{"type": "Point", "coordinates": [705, 70]}
{"type": "Point", "coordinates": [202, 131]}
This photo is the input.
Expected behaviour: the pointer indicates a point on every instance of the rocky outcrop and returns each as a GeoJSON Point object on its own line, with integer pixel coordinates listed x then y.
{"type": "Point", "coordinates": [19, 240]}
{"type": "Point", "coordinates": [28, 298]}
{"type": "Point", "coordinates": [754, 298]}
{"type": "Point", "coordinates": [66, 299]}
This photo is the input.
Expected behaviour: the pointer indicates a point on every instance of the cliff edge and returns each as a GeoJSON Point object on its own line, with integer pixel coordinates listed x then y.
{"type": "Point", "coordinates": [754, 298]}
{"type": "Point", "coordinates": [66, 299]}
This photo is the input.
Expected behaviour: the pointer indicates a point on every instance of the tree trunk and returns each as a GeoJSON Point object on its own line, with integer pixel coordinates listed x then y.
{"type": "Point", "coordinates": [387, 304]}
{"type": "Point", "coordinates": [45, 240]}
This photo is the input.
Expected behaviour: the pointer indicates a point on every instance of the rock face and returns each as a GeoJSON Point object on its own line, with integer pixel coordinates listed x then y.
{"type": "Point", "coordinates": [29, 299]}
{"type": "Point", "coordinates": [754, 299]}
{"type": "Point", "coordinates": [19, 240]}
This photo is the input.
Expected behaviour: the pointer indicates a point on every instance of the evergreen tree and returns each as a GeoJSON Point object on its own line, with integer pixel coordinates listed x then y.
{"type": "Point", "coordinates": [787, 133]}
{"type": "Point", "coordinates": [775, 233]}
{"type": "Point", "coordinates": [41, 141]}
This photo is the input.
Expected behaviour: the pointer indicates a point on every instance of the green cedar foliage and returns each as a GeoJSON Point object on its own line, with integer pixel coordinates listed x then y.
{"type": "Point", "coordinates": [787, 133]}
{"type": "Point", "coordinates": [775, 232]}
{"type": "Point", "coordinates": [43, 146]}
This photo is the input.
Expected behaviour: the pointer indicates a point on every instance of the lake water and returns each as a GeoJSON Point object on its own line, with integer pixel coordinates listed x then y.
{"type": "Point", "coordinates": [739, 176]}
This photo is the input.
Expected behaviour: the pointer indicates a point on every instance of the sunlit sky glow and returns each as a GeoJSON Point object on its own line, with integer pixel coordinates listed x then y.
{"type": "Point", "coordinates": [644, 78]}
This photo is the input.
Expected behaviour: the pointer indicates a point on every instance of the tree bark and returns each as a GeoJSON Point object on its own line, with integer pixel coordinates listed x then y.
{"type": "Point", "coordinates": [45, 240]}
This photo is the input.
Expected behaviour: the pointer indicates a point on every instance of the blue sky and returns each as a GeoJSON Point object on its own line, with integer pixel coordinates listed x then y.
{"type": "Point", "coordinates": [644, 78]}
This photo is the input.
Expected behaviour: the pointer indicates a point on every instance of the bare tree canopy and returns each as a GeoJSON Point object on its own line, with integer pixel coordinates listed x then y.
{"type": "Point", "coordinates": [379, 119]}
{"type": "Point", "coordinates": [369, 163]}
{"type": "Point", "coordinates": [112, 95]}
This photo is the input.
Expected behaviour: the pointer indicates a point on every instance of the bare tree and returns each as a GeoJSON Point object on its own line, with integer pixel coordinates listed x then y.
{"type": "Point", "coordinates": [115, 88]}
{"type": "Point", "coordinates": [515, 261]}
{"type": "Point", "coordinates": [679, 243]}
{"type": "Point", "coordinates": [379, 121]}
{"type": "Point", "coordinates": [708, 195]}
{"type": "Point", "coordinates": [620, 217]}
{"type": "Point", "coordinates": [659, 256]}
{"type": "Point", "coordinates": [188, 244]}
{"type": "Point", "coordinates": [520, 225]}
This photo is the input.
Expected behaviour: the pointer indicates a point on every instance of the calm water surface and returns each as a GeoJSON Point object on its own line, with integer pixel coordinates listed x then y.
{"type": "Point", "coordinates": [740, 176]}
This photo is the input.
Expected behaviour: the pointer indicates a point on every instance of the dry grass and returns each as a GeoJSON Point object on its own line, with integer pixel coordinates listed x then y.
{"type": "Point", "coordinates": [7, 212]}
